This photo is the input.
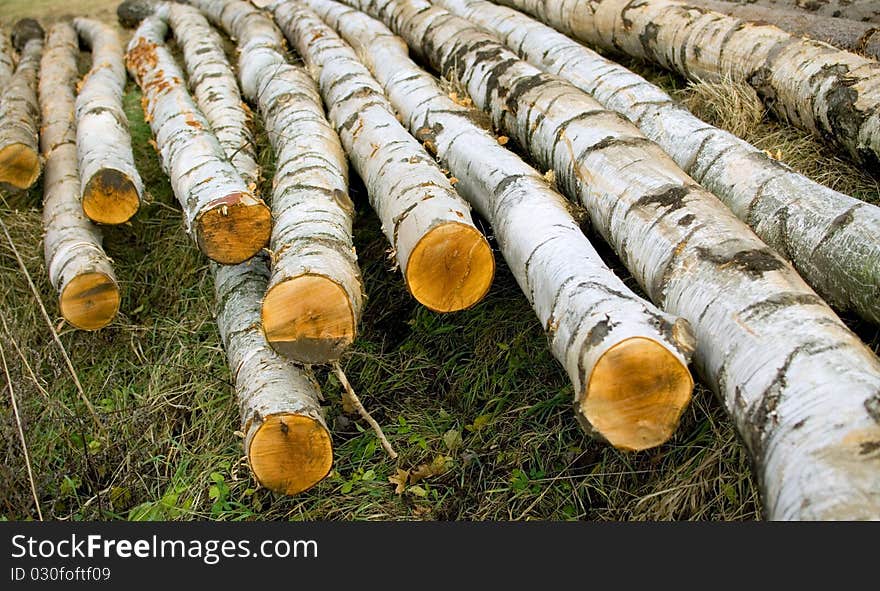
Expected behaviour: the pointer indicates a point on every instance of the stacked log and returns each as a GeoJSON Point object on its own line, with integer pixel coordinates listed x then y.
{"type": "Point", "coordinates": [314, 299]}
{"type": "Point", "coordinates": [829, 92]}
{"type": "Point", "coordinates": [627, 359]}
{"type": "Point", "coordinates": [832, 239]}
{"type": "Point", "coordinates": [286, 439]}
{"type": "Point", "coordinates": [227, 221]}
{"type": "Point", "coordinates": [78, 267]}
{"type": "Point", "coordinates": [447, 263]}
{"type": "Point", "coordinates": [807, 403]}
{"type": "Point", "coordinates": [112, 190]}
{"type": "Point", "coordinates": [20, 110]}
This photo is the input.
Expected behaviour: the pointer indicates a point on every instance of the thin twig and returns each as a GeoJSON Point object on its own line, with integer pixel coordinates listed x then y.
{"type": "Point", "coordinates": [67, 361]}
{"type": "Point", "coordinates": [27, 456]}
{"type": "Point", "coordinates": [356, 403]}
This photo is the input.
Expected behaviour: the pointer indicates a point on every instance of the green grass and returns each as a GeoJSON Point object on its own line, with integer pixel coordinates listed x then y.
{"type": "Point", "coordinates": [473, 400]}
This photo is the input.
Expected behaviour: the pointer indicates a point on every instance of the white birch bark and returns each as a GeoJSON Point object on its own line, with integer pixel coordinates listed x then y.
{"type": "Point", "coordinates": [285, 437]}
{"type": "Point", "coordinates": [213, 84]}
{"type": "Point", "coordinates": [112, 190]}
{"type": "Point", "coordinates": [20, 113]}
{"type": "Point", "coordinates": [78, 268]}
{"type": "Point", "coordinates": [586, 309]}
{"type": "Point", "coordinates": [228, 223]}
{"type": "Point", "coordinates": [7, 61]}
{"type": "Point", "coordinates": [829, 92]}
{"type": "Point", "coordinates": [803, 391]}
{"type": "Point", "coordinates": [832, 239]}
{"type": "Point", "coordinates": [448, 265]}
{"type": "Point", "coordinates": [315, 295]}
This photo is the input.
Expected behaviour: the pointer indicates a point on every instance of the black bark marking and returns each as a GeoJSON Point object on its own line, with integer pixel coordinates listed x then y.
{"type": "Point", "coordinates": [671, 199]}
{"type": "Point", "coordinates": [868, 447]}
{"type": "Point", "coordinates": [872, 405]}
{"type": "Point", "coordinates": [754, 262]}
{"type": "Point", "coordinates": [686, 220]}
{"type": "Point", "coordinates": [839, 223]}
{"type": "Point", "coordinates": [601, 330]}
{"type": "Point", "coordinates": [519, 88]}
{"type": "Point", "coordinates": [776, 303]}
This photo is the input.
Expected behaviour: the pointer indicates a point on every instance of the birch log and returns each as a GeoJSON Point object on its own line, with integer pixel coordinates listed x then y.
{"type": "Point", "coordinates": [803, 391]}
{"type": "Point", "coordinates": [857, 10]}
{"type": "Point", "coordinates": [832, 239]}
{"type": "Point", "coordinates": [447, 263]}
{"type": "Point", "coordinates": [78, 267]}
{"type": "Point", "coordinates": [213, 84]}
{"type": "Point", "coordinates": [7, 61]}
{"type": "Point", "coordinates": [855, 36]}
{"type": "Point", "coordinates": [112, 190]}
{"type": "Point", "coordinates": [314, 298]}
{"type": "Point", "coordinates": [626, 359]}
{"type": "Point", "coordinates": [285, 437]}
{"type": "Point", "coordinates": [226, 220]}
{"type": "Point", "coordinates": [829, 92]}
{"type": "Point", "coordinates": [20, 110]}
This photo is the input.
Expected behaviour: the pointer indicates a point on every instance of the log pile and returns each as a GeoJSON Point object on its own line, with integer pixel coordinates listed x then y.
{"type": "Point", "coordinates": [727, 243]}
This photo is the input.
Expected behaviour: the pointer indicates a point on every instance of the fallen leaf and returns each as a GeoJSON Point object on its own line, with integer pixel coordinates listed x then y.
{"type": "Point", "coordinates": [399, 480]}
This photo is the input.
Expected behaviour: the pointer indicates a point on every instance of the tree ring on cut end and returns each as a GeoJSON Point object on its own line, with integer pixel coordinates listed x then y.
{"type": "Point", "coordinates": [636, 394]}
{"type": "Point", "coordinates": [290, 453]}
{"type": "Point", "coordinates": [451, 268]}
{"type": "Point", "coordinates": [90, 301]}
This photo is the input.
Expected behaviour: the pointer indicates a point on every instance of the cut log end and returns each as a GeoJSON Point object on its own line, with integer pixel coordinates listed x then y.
{"type": "Point", "coordinates": [233, 229]}
{"type": "Point", "coordinates": [308, 318]}
{"type": "Point", "coordinates": [110, 197]}
{"type": "Point", "coordinates": [19, 165]}
{"type": "Point", "coordinates": [451, 268]}
{"type": "Point", "coordinates": [636, 394]}
{"type": "Point", "coordinates": [290, 453]}
{"type": "Point", "coordinates": [90, 301]}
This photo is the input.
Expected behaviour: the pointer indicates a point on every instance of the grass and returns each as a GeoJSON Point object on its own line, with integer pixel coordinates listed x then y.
{"type": "Point", "coordinates": [473, 401]}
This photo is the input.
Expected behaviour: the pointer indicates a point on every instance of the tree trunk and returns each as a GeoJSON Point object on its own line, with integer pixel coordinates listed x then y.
{"type": "Point", "coordinates": [285, 437]}
{"type": "Point", "coordinates": [20, 112]}
{"type": "Point", "coordinates": [227, 221]}
{"type": "Point", "coordinates": [7, 61]}
{"type": "Point", "coordinates": [78, 268]}
{"type": "Point", "coordinates": [314, 301]}
{"type": "Point", "coordinates": [858, 37]}
{"type": "Point", "coordinates": [626, 359]}
{"type": "Point", "coordinates": [832, 239]}
{"type": "Point", "coordinates": [857, 10]}
{"type": "Point", "coordinates": [803, 391]}
{"type": "Point", "coordinates": [831, 93]}
{"type": "Point", "coordinates": [214, 87]}
{"type": "Point", "coordinates": [112, 190]}
{"type": "Point", "coordinates": [447, 262]}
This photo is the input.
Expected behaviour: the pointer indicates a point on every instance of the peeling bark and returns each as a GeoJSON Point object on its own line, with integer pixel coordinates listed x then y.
{"type": "Point", "coordinates": [314, 299]}
{"type": "Point", "coordinates": [832, 239]}
{"type": "Point", "coordinates": [78, 267]}
{"type": "Point", "coordinates": [20, 111]}
{"type": "Point", "coordinates": [627, 360]}
{"type": "Point", "coordinates": [112, 190]}
{"type": "Point", "coordinates": [285, 437]}
{"type": "Point", "coordinates": [829, 92]}
{"type": "Point", "coordinates": [447, 263]}
{"type": "Point", "coordinates": [858, 37]}
{"type": "Point", "coordinates": [228, 223]}
{"type": "Point", "coordinates": [798, 384]}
